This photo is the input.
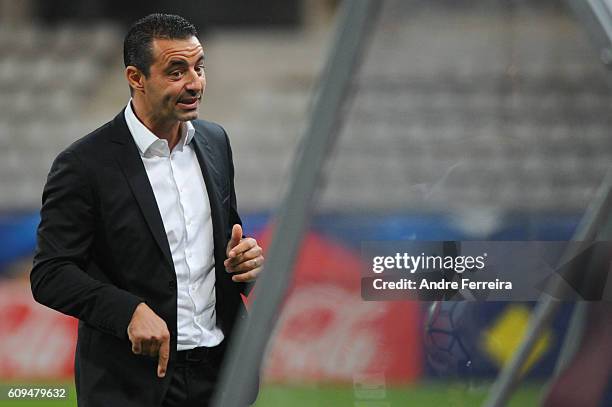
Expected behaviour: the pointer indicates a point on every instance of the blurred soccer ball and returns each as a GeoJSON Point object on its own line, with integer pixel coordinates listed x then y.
{"type": "Point", "coordinates": [449, 332]}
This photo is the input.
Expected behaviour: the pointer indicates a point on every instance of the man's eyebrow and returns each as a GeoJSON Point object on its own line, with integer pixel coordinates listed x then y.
{"type": "Point", "coordinates": [176, 62]}
{"type": "Point", "coordinates": [181, 62]}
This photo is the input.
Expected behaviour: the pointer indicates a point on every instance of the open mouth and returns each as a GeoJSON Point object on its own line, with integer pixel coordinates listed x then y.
{"type": "Point", "coordinates": [188, 103]}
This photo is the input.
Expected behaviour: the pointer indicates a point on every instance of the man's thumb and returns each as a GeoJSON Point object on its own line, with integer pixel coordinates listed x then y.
{"type": "Point", "coordinates": [236, 236]}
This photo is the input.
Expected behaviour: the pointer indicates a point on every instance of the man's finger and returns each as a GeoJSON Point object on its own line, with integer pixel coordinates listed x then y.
{"type": "Point", "coordinates": [243, 246]}
{"type": "Point", "coordinates": [164, 355]}
{"type": "Point", "coordinates": [244, 277]}
{"type": "Point", "coordinates": [250, 254]}
{"type": "Point", "coordinates": [145, 347]}
{"type": "Point", "coordinates": [235, 238]}
{"type": "Point", "coordinates": [154, 349]}
{"type": "Point", "coordinates": [246, 265]}
{"type": "Point", "coordinates": [136, 348]}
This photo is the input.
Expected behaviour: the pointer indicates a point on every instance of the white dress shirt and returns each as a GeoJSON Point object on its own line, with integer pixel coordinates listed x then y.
{"type": "Point", "coordinates": [182, 200]}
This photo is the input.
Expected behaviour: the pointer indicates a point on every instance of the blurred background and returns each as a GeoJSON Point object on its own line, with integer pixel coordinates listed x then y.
{"type": "Point", "coordinates": [484, 120]}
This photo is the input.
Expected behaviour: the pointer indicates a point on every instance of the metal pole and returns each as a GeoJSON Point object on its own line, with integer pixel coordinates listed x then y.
{"type": "Point", "coordinates": [249, 343]}
{"type": "Point", "coordinates": [573, 337]}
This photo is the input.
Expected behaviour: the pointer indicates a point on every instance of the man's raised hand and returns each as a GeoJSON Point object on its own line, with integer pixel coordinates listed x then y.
{"type": "Point", "coordinates": [244, 256]}
{"type": "Point", "coordinates": [149, 336]}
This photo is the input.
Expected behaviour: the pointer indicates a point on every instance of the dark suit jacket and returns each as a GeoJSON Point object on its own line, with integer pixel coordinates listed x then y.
{"type": "Point", "coordinates": [102, 249]}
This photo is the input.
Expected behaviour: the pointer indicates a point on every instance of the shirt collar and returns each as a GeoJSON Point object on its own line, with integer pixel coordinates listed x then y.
{"type": "Point", "coordinates": [148, 143]}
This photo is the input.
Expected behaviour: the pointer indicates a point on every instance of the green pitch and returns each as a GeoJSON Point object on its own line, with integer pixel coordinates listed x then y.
{"type": "Point", "coordinates": [433, 394]}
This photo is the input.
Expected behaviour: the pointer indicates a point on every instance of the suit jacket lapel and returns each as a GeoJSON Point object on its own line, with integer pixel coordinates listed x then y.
{"type": "Point", "coordinates": [210, 173]}
{"type": "Point", "coordinates": [128, 156]}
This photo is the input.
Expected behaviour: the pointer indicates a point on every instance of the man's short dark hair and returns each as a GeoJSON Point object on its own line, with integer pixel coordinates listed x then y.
{"type": "Point", "coordinates": [137, 46]}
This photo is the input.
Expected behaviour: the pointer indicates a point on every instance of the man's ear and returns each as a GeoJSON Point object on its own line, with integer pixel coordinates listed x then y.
{"type": "Point", "coordinates": [135, 78]}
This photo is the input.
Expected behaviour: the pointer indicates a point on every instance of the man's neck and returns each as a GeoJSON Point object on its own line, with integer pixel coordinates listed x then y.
{"type": "Point", "coordinates": [171, 132]}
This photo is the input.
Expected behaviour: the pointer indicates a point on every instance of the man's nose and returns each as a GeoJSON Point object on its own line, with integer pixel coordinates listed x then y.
{"type": "Point", "coordinates": [195, 82]}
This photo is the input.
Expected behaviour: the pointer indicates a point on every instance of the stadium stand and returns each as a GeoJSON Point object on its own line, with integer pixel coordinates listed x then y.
{"type": "Point", "coordinates": [531, 136]}
{"type": "Point", "coordinates": [46, 77]}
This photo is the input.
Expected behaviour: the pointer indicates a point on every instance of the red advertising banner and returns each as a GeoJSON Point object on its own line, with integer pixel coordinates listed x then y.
{"type": "Point", "coordinates": [35, 342]}
{"type": "Point", "coordinates": [327, 332]}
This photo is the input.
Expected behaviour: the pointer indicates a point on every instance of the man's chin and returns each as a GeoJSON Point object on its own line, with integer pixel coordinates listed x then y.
{"type": "Point", "coordinates": [186, 116]}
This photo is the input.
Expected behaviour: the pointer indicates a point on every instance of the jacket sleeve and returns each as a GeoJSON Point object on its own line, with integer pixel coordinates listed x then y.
{"type": "Point", "coordinates": [234, 217]}
{"type": "Point", "coordinates": [65, 238]}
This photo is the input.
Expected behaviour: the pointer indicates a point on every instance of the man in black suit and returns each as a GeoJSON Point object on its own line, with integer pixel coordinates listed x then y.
{"type": "Point", "coordinates": [140, 237]}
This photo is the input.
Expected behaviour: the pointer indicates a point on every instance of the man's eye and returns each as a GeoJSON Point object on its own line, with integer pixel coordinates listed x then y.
{"type": "Point", "coordinates": [200, 69]}
{"type": "Point", "coordinates": [176, 74]}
